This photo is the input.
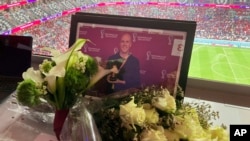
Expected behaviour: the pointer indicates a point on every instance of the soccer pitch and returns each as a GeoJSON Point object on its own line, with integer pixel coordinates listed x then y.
{"type": "Point", "coordinates": [219, 63]}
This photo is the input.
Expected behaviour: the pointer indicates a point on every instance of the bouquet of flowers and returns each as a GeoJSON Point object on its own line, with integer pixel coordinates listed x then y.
{"type": "Point", "coordinates": [153, 114]}
{"type": "Point", "coordinates": [60, 82]}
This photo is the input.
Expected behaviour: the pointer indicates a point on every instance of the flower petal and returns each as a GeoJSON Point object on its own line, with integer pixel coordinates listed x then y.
{"type": "Point", "coordinates": [32, 74]}
{"type": "Point", "coordinates": [100, 74]}
{"type": "Point", "coordinates": [64, 57]}
{"type": "Point", "coordinates": [51, 79]}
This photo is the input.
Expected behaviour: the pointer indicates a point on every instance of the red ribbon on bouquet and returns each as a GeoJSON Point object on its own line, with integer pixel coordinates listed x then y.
{"type": "Point", "coordinates": [60, 116]}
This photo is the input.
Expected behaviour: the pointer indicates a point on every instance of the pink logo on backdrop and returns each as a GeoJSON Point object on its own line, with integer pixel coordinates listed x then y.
{"type": "Point", "coordinates": [151, 56]}
{"type": "Point", "coordinates": [102, 33]}
{"type": "Point", "coordinates": [144, 38]}
{"type": "Point", "coordinates": [106, 34]}
{"type": "Point", "coordinates": [116, 50]}
{"type": "Point", "coordinates": [83, 32]}
{"type": "Point", "coordinates": [163, 74]}
{"type": "Point", "coordinates": [137, 37]}
{"type": "Point", "coordinates": [134, 37]}
{"type": "Point", "coordinates": [88, 48]}
{"type": "Point", "coordinates": [170, 40]}
{"type": "Point", "coordinates": [148, 54]}
{"type": "Point", "coordinates": [85, 48]}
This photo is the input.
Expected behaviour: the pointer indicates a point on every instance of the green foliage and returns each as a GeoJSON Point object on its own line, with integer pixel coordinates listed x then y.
{"type": "Point", "coordinates": [91, 66]}
{"type": "Point", "coordinates": [109, 124]}
{"type": "Point", "coordinates": [75, 85]}
{"type": "Point", "coordinates": [179, 97]}
{"type": "Point", "coordinates": [76, 81]}
{"type": "Point", "coordinates": [205, 113]}
{"type": "Point", "coordinates": [46, 66]}
{"type": "Point", "coordinates": [28, 94]}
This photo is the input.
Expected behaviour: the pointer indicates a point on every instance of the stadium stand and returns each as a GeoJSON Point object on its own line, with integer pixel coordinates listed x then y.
{"type": "Point", "coordinates": [212, 22]}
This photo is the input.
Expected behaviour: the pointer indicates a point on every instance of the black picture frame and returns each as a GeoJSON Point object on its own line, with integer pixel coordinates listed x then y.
{"type": "Point", "coordinates": [185, 28]}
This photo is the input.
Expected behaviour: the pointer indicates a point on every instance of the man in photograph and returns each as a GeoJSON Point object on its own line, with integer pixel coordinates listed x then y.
{"type": "Point", "coordinates": [128, 65]}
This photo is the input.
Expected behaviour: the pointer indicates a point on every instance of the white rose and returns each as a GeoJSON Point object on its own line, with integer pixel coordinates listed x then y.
{"type": "Point", "coordinates": [151, 114]}
{"type": "Point", "coordinates": [153, 135]}
{"type": "Point", "coordinates": [166, 102]}
{"type": "Point", "coordinates": [131, 114]}
{"type": "Point", "coordinates": [171, 135]}
{"type": "Point", "coordinates": [190, 127]}
{"type": "Point", "coordinates": [218, 133]}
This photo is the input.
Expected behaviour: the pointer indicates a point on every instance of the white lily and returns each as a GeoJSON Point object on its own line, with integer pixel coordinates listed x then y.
{"type": "Point", "coordinates": [57, 71]}
{"type": "Point", "coordinates": [101, 73]}
{"type": "Point", "coordinates": [64, 58]}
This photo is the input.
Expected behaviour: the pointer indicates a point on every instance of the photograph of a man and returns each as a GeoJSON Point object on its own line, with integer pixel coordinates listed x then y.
{"type": "Point", "coordinates": [128, 65]}
{"type": "Point", "coordinates": [143, 58]}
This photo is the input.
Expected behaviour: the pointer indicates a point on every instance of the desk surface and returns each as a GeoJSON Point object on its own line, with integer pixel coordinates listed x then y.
{"type": "Point", "coordinates": [18, 123]}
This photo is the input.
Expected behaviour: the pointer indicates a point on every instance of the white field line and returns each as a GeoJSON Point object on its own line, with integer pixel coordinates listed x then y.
{"type": "Point", "coordinates": [231, 66]}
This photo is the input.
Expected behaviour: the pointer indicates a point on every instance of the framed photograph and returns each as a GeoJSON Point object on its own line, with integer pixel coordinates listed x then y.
{"type": "Point", "coordinates": [146, 51]}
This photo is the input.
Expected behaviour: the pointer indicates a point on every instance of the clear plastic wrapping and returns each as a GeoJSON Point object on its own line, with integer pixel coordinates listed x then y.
{"type": "Point", "coordinates": [80, 124]}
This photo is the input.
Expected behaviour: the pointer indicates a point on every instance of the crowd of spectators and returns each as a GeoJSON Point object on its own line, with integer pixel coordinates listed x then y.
{"type": "Point", "coordinates": [3, 2]}
{"type": "Point", "coordinates": [53, 34]}
{"type": "Point", "coordinates": [4, 25]}
{"type": "Point", "coordinates": [212, 23]}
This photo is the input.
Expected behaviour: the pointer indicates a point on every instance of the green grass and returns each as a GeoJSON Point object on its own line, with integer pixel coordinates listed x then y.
{"type": "Point", "coordinates": [219, 63]}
